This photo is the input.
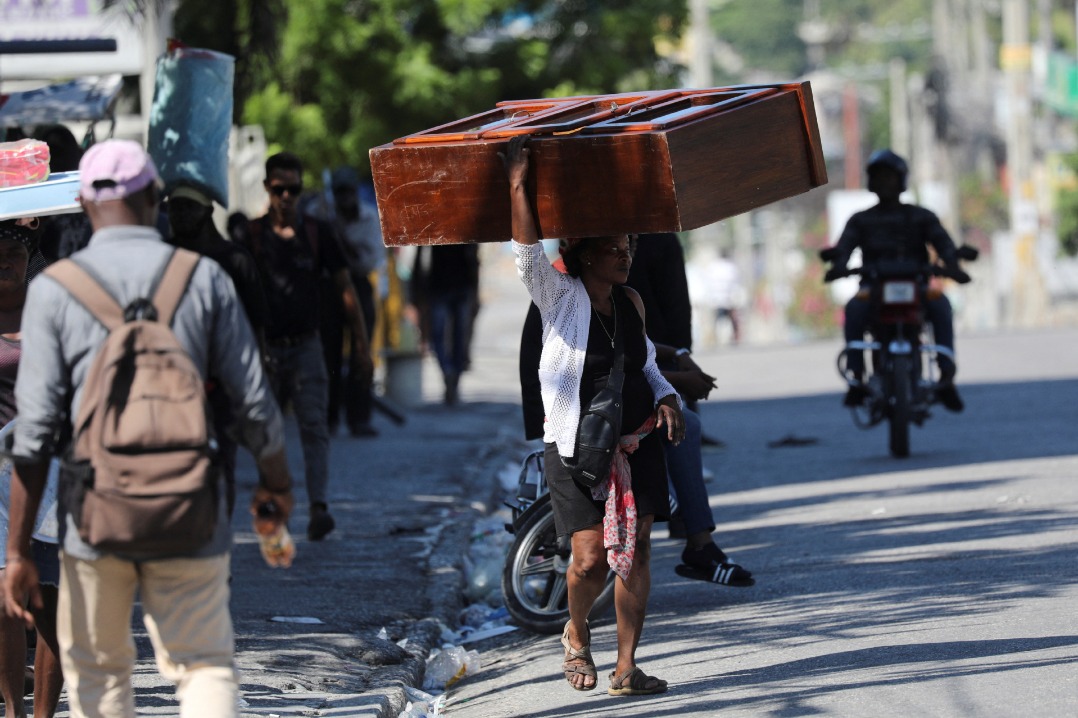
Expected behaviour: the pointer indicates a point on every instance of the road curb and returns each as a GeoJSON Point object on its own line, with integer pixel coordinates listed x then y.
{"type": "Point", "coordinates": [445, 573]}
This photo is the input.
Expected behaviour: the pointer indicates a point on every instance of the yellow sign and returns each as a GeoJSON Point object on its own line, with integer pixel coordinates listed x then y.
{"type": "Point", "coordinates": [1015, 57]}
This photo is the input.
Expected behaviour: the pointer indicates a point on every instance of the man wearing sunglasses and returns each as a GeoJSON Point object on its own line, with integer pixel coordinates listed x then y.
{"type": "Point", "coordinates": [295, 254]}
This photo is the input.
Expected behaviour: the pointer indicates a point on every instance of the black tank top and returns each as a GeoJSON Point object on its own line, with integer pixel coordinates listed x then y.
{"type": "Point", "coordinates": [639, 399]}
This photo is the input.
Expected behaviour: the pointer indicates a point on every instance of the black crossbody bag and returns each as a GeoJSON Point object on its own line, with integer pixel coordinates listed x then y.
{"type": "Point", "coordinates": [599, 431]}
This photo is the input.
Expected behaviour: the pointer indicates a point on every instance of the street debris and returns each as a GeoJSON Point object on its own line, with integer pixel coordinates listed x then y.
{"type": "Point", "coordinates": [422, 705]}
{"type": "Point", "coordinates": [485, 560]}
{"type": "Point", "coordinates": [791, 440]}
{"type": "Point", "coordinates": [483, 617]}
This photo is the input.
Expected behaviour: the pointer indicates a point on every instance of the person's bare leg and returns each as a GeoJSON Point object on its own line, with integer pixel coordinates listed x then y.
{"type": "Point", "coordinates": [12, 662]}
{"type": "Point", "coordinates": [585, 579]}
{"type": "Point", "coordinates": [48, 679]}
{"type": "Point", "coordinates": [631, 598]}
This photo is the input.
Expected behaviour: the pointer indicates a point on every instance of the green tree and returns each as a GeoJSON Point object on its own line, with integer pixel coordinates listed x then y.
{"type": "Point", "coordinates": [245, 29]}
{"type": "Point", "coordinates": [353, 74]}
{"type": "Point", "coordinates": [764, 37]}
{"type": "Point", "coordinates": [758, 37]}
{"type": "Point", "coordinates": [1067, 203]}
{"type": "Point", "coordinates": [330, 79]}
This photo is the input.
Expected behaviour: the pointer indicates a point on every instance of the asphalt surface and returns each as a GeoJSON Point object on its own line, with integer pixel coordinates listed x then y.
{"type": "Point", "coordinates": [941, 585]}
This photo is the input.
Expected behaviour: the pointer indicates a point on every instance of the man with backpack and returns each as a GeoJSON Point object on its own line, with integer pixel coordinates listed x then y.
{"type": "Point", "coordinates": [117, 343]}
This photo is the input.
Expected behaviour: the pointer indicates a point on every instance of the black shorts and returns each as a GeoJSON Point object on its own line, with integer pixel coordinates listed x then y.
{"type": "Point", "coordinates": [47, 560]}
{"type": "Point", "coordinates": [574, 509]}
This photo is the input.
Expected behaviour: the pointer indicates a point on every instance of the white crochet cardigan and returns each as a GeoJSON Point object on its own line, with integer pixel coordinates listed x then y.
{"type": "Point", "coordinates": [566, 310]}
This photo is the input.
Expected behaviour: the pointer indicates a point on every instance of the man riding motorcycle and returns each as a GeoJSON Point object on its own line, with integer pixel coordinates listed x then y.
{"type": "Point", "coordinates": [894, 230]}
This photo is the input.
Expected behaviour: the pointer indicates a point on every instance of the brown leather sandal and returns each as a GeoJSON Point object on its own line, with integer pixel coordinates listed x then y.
{"type": "Point", "coordinates": [634, 682]}
{"type": "Point", "coordinates": [578, 654]}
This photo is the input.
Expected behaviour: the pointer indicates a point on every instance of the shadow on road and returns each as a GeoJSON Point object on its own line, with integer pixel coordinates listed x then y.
{"type": "Point", "coordinates": [1001, 422]}
{"type": "Point", "coordinates": [873, 573]}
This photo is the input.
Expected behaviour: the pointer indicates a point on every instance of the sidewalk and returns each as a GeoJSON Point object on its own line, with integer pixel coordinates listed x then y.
{"type": "Point", "coordinates": [405, 503]}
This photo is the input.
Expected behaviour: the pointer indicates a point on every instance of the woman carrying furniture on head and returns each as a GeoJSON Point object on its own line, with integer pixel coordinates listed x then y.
{"type": "Point", "coordinates": [583, 311]}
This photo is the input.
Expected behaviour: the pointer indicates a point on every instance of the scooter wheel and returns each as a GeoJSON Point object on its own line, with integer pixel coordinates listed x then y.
{"type": "Point", "coordinates": [534, 584]}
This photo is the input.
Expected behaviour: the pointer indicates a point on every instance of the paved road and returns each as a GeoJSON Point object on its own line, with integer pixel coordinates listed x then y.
{"type": "Point", "coordinates": [940, 585]}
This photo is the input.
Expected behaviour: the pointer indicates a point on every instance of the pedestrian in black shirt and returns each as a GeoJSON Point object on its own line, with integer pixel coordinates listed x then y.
{"type": "Point", "coordinates": [293, 252]}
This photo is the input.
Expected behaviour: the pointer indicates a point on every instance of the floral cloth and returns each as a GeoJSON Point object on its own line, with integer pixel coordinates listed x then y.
{"type": "Point", "coordinates": [619, 519]}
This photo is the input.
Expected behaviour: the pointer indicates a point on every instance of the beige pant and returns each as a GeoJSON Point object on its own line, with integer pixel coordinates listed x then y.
{"type": "Point", "coordinates": [185, 610]}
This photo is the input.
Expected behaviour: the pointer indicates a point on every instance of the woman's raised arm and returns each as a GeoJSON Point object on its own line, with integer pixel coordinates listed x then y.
{"type": "Point", "coordinates": [516, 159]}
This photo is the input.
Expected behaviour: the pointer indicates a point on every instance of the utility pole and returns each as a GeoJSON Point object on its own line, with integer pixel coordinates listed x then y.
{"type": "Point", "coordinates": [900, 108]}
{"type": "Point", "coordinates": [700, 74]}
{"type": "Point", "coordinates": [1025, 302]}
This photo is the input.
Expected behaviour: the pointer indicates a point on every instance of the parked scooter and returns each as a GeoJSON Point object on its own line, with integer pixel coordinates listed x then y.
{"type": "Point", "coordinates": [903, 383]}
{"type": "Point", "coordinates": [534, 583]}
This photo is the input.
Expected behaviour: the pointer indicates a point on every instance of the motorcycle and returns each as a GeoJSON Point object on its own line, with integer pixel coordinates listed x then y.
{"type": "Point", "coordinates": [534, 584]}
{"type": "Point", "coordinates": [903, 383]}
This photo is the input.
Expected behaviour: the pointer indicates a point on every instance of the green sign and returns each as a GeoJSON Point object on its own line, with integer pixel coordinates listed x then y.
{"type": "Point", "coordinates": [1061, 87]}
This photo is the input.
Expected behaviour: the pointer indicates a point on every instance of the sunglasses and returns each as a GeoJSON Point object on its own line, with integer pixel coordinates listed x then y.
{"type": "Point", "coordinates": [280, 189]}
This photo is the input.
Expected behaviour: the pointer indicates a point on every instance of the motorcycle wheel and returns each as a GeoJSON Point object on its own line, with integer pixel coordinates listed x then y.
{"type": "Point", "coordinates": [901, 408]}
{"type": "Point", "coordinates": [533, 581]}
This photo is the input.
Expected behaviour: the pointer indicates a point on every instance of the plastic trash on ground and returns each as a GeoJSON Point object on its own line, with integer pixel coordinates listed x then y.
{"type": "Point", "coordinates": [475, 615]}
{"type": "Point", "coordinates": [450, 665]}
{"type": "Point", "coordinates": [485, 560]}
{"type": "Point", "coordinates": [422, 705]}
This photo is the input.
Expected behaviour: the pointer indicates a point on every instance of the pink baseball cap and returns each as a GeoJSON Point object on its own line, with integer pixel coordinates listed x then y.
{"type": "Point", "coordinates": [114, 169]}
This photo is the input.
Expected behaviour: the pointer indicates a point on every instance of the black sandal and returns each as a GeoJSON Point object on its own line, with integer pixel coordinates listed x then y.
{"type": "Point", "coordinates": [711, 564]}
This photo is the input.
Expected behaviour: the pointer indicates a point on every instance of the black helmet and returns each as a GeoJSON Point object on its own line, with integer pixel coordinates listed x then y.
{"type": "Point", "coordinates": [888, 159]}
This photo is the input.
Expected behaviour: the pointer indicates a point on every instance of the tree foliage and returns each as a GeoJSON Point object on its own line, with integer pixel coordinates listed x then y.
{"type": "Point", "coordinates": [353, 74]}
{"type": "Point", "coordinates": [1067, 203]}
{"type": "Point", "coordinates": [855, 36]}
{"type": "Point", "coordinates": [246, 29]}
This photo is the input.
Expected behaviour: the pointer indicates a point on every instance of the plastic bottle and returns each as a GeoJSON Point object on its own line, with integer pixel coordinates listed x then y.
{"type": "Point", "coordinates": [276, 543]}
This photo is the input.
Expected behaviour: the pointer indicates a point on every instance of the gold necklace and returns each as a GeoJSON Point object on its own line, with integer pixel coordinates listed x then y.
{"type": "Point", "coordinates": [608, 334]}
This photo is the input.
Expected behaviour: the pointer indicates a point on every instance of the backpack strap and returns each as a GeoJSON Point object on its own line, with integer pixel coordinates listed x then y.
{"type": "Point", "coordinates": [170, 290]}
{"type": "Point", "coordinates": [88, 292]}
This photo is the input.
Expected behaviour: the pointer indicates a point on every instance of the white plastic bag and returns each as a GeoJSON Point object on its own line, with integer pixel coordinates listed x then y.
{"type": "Point", "coordinates": [449, 666]}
